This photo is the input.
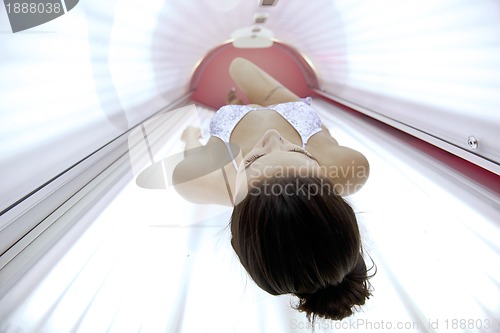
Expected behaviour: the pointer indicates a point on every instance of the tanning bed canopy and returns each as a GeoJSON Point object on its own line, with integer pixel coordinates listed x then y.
{"type": "Point", "coordinates": [252, 37]}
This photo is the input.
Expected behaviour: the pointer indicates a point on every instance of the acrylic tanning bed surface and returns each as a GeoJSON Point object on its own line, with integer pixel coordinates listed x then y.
{"type": "Point", "coordinates": [152, 262]}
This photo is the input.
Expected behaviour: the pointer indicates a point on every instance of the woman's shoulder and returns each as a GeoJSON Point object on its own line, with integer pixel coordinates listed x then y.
{"type": "Point", "coordinates": [322, 143]}
{"type": "Point", "coordinates": [348, 168]}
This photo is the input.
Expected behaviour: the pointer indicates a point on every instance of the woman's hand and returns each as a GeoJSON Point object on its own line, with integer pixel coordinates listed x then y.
{"type": "Point", "coordinates": [191, 134]}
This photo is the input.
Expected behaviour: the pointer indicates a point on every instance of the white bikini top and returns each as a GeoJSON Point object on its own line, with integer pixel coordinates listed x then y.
{"type": "Point", "coordinates": [299, 114]}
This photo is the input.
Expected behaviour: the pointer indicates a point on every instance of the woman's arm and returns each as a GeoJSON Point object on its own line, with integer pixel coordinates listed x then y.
{"type": "Point", "coordinates": [200, 177]}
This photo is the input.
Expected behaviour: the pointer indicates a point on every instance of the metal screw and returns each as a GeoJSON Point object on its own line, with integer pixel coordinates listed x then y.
{"type": "Point", "coordinates": [472, 142]}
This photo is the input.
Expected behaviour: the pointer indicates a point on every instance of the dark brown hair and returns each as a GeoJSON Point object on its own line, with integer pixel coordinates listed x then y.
{"type": "Point", "coordinates": [296, 235]}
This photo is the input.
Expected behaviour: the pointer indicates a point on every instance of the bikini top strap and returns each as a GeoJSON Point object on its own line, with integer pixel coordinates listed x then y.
{"type": "Point", "coordinates": [233, 159]}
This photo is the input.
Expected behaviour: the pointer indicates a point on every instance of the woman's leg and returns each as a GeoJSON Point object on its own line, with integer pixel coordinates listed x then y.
{"type": "Point", "coordinates": [260, 87]}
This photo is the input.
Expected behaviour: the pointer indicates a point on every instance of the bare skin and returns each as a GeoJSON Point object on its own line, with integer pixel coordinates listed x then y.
{"type": "Point", "coordinates": [266, 134]}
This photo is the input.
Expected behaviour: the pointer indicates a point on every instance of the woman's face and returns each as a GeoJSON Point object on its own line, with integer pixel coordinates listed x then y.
{"type": "Point", "coordinates": [273, 156]}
